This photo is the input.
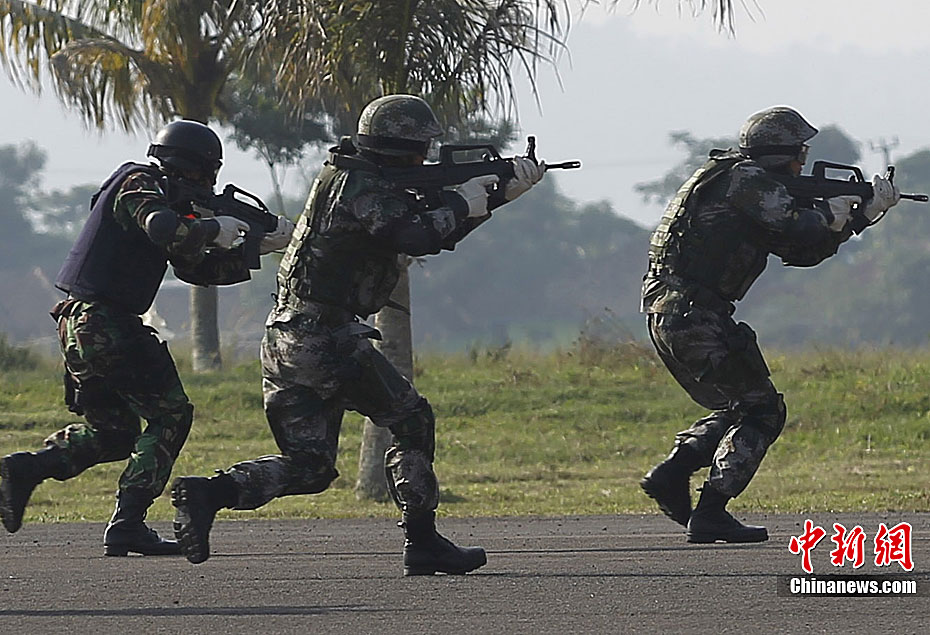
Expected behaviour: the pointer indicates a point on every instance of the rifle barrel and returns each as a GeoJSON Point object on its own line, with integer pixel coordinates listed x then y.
{"type": "Point", "coordinates": [565, 165]}
{"type": "Point", "coordinates": [923, 198]}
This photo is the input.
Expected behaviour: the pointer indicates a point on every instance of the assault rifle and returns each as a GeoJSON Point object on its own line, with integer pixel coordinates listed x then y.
{"type": "Point", "coordinates": [817, 185]}
{"type": "Point", "coordinates": [455, 166]}
{"type": "Point", "coordinates": [229, 203]}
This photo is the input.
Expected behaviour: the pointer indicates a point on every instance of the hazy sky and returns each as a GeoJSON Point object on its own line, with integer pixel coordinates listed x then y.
{"type": "Point", "coordinates": [629, 80]}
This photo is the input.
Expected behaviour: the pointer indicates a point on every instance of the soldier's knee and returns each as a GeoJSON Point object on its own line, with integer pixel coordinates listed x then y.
{"type": "Point", "coordinates": [416, 431]}
{"type": "Point", "coordinates": [311, 472]}
{"type": "Point", "coordinates": [768, 417]}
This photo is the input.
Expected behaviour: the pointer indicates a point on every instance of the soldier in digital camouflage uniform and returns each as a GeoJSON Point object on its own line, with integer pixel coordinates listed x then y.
{"type": "Point", "coordinates": [116, 369]}
{"type": "Point", "coordinates": [317, 358]}
{"type": "Point", "coordinates": [709, 247]}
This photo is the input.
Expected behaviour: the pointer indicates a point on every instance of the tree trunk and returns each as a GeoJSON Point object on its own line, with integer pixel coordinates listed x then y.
{"type": "Point", "coordinates": [205, 330]}
{"type": "Point", "coordinates": [397, 346]}
{"type": "Point", "coordinates": [205, 334]}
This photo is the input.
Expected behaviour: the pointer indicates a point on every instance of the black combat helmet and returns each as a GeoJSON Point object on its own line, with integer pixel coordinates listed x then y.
{"type": "Point", "coordinates": [775, 136]}
{"type": "Point", "coordinates": [397, 125]}
{"type": "Point", "coordinates": [188, 146]}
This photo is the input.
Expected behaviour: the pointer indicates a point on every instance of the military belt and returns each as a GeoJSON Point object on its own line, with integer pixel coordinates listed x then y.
{"type": "Point", "coordinates": [322, 313]}
{"type": "Point", "coordinates": [703, 297]}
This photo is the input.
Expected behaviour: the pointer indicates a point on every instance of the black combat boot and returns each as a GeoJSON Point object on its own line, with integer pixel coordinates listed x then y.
{"type": "Point", "coordinates": [197, 499]}
{"type": "Point", "coordinates": [669, 483]}
{"type": "Point", "coordinates": [127, 532]}
{"type": "Point", "coordinates": [427, 552]}
{"type": "Point", "coordinates": [21, 473]}
{"type": "Point", "coordinates": [710, 522]}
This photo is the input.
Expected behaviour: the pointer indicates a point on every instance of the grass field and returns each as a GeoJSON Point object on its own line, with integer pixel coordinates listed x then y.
{"type": "Point", "coordinates": [548, 434]}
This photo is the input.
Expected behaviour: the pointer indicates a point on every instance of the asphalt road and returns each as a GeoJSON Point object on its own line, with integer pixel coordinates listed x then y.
{"type": "Point", "coordinates": [593, 574]}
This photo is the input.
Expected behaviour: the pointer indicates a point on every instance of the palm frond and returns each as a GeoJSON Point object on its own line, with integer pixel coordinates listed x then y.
{"type": "Point", "coordinates": [723, 12]}
{"type": "Point", "coordinates": [105, 81]}
{"type": "Point", "coordinates": [31, 33]}
{"type": "Point", "coordinates": [459, 54]}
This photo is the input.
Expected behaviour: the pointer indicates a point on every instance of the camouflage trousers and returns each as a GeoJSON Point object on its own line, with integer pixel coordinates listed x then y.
{"type": "Point", "coordinates": [719, 364]}
{"type": "Point", "coordinates": [312, 374]}
{"type": "Point", "coordinates": [116, 371]}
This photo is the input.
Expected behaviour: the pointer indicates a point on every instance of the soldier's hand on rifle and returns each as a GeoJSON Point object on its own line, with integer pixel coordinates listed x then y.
{"type": "Point", "coordinates": [526, 175]}
{"type": "Point", "coordinates": [841, 207]}
{"type": "Point", "coordinates": [885, 196]}
{"type": "Point", "coordinates": [279, 238]}
{"type": "Point", "coordinates": [231, 229]}
{"type": "Point", "coordinates": [475, 193]}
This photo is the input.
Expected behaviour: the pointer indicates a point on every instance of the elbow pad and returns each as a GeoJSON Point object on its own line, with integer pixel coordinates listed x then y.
{"type": "Point", "coordinates": [161, 226]}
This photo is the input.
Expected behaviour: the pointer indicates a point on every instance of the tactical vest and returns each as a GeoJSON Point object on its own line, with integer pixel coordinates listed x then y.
{"type": "Point", "coordinates": [347, 269]}
{"type": "Point", "coordinates": [110, 263]}
{"type": "Point", "coordinates": [718, 252]}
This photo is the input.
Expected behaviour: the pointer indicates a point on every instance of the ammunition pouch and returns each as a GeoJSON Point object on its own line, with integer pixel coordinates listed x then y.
{"type": "Point", "coordinates": [743, 363]}
{"type": "Point", "coordinates": [71, 394]}
{"type": "Point", "coordinates": [379, 383]}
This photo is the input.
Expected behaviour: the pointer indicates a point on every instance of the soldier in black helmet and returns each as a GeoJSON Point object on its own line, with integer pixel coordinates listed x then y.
{"type": "Point", "coordinates": [710, 246]}
{"type": "Point", "coordinates": [317, 358]}
{"type": "Point", "coordinates": [116, 369]}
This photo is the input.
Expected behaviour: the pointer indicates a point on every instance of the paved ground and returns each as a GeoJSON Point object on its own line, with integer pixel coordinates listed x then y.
{"type": "Point", "coordinates": [591, 574]}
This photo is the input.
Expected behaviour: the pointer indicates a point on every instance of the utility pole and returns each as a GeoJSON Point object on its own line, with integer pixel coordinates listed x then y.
{"type": "Point", "coordinates": [885, 147]}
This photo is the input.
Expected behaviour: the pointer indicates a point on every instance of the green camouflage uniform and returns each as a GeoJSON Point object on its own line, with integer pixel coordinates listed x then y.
{"type": "Point", "coordinates": [710, 246]}
{"type": "Point", "coordinates": [317, 358]}
{"type": "Point", "coordinates": [117, 370]}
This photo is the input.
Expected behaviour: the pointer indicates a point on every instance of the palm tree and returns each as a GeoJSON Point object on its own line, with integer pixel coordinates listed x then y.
{"type": "Point", "coordinates": [460, 55]}
{"type": "Point", "coordinates": [134, 64]}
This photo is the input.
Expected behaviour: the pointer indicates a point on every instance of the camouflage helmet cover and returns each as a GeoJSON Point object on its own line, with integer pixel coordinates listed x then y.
{"type": "Point", "coordinates": [775, 135]}
{"type": "Point", "coordinates": [397, 125]}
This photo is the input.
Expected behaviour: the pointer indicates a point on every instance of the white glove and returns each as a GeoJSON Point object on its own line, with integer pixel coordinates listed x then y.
{"type": "Point", "coordinates": [526, 174]}
{"type": "Point", "coordinates": [279, 238]}
{"type": "Point", "coordinates": [841, 207]}
{"type": "Point", "coordinates": [231, 229]}
{"type": "Point", "coordinates": [885, 195]}
{"type": "Point", "coordinates": [475, 192]}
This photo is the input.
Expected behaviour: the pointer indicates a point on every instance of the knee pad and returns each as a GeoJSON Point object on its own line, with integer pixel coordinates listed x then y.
{"type": "Point", "coordinates": [417, 431]}
{"type": "Point", "coordinates": [768, 417]}
{"type": "Point", "coordinates": [312, 472]}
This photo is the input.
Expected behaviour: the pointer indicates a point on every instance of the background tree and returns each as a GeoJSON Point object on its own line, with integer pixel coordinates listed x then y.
{"type": "Point", "coordinates": [278, 134]}
{"type": "Point", "coordinates": [135, 64]}
{"type": "Point", "coordinates": [61, 213]}
{"type": "Point", "coordinates": [28, 259]}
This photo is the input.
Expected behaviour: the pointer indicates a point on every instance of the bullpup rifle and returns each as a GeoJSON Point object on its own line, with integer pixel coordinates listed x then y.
{"type": "Point", "coordinates": [457, 165]}
{"type": "Point", "coordinates": [234, 202]}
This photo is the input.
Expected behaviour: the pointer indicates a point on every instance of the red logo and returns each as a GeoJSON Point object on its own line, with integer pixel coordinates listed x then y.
{"type": "Point", "coordinates": [891, 545]}
{"type": "Point", "coordinates": [805, 543]}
